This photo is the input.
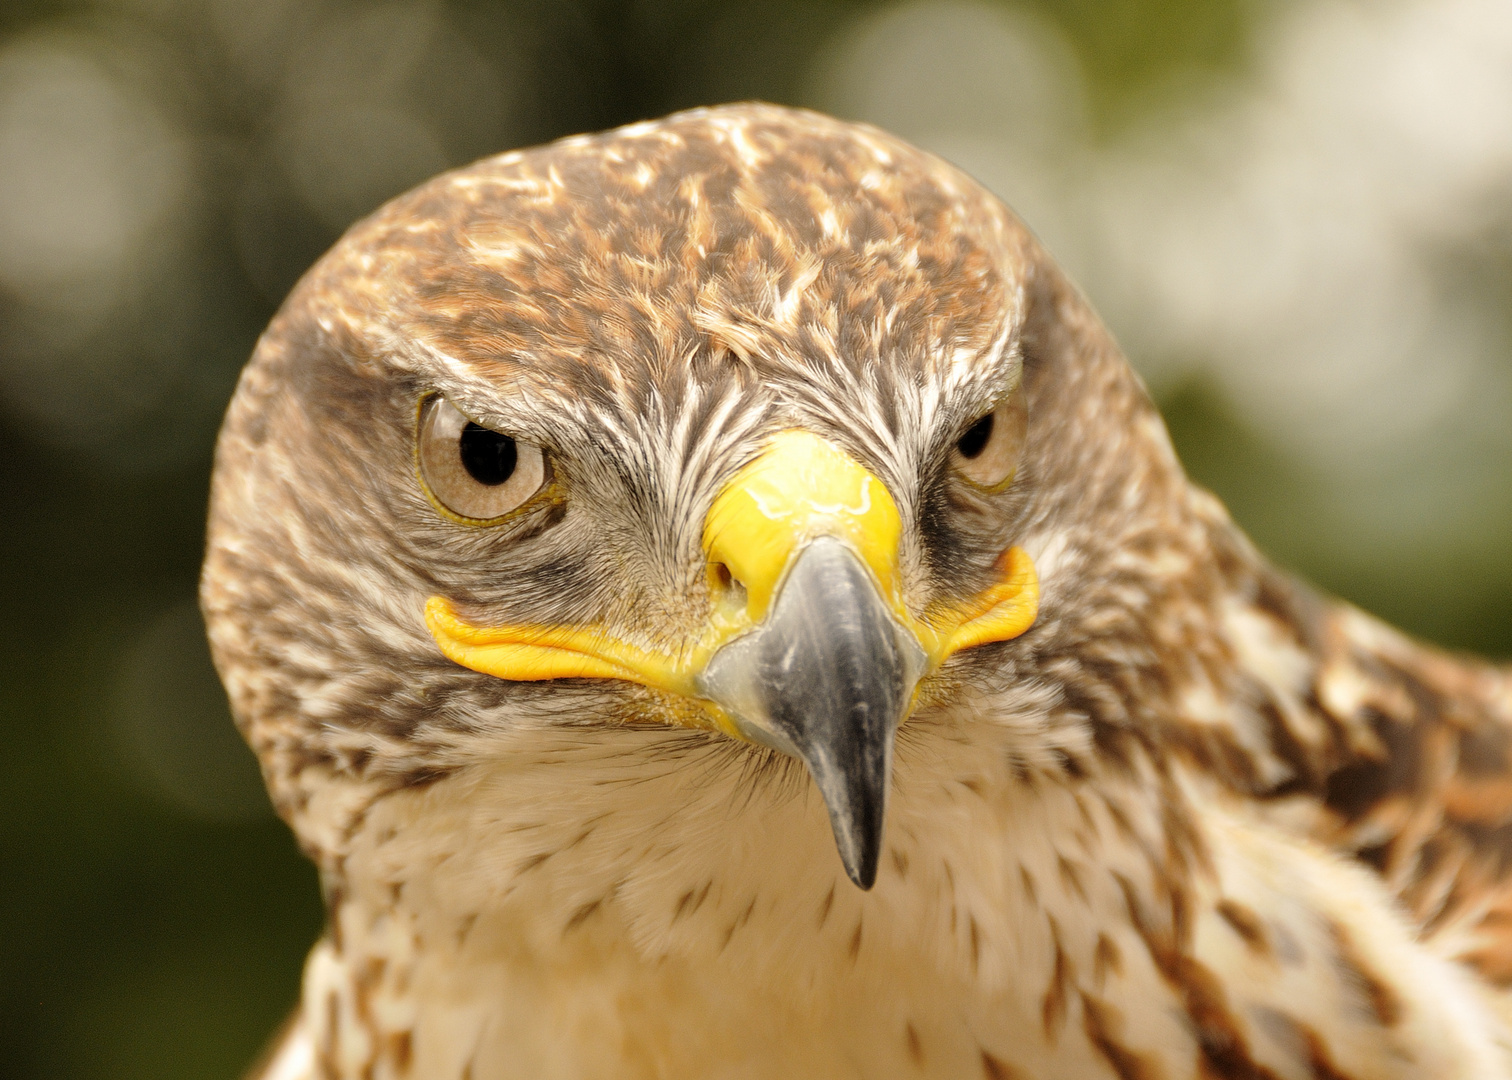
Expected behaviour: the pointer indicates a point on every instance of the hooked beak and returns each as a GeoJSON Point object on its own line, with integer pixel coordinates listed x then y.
{"type": "Point", "coordinates": [827, 678]}
{"type": "Point", "coordinates": [809, 648]}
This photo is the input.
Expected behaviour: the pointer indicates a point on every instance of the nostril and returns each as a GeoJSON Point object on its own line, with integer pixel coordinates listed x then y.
{"type": "Point", "coordinates": [724, 585]}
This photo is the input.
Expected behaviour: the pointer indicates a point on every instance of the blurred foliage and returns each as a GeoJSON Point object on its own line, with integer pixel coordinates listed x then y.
{"type": "Point", "coordinates": [155, 921]}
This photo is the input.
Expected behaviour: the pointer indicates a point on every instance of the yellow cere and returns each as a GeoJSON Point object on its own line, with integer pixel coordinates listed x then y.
{"type": "Point", "coordinates": [800, 488]}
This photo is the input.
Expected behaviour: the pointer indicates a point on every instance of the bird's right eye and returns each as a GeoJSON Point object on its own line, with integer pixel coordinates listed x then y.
{"type": "Point", "coordinates": [471, 472]}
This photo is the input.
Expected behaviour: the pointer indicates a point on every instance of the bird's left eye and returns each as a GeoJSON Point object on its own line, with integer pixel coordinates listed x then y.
{"type": "Point", "coordinates": [473, 472]}
{"type": "Point", "coordinates": [987, 453]}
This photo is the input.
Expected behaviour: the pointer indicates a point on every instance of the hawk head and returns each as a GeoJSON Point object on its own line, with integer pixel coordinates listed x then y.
{"type": "Point", "coordinates": [748, 424]}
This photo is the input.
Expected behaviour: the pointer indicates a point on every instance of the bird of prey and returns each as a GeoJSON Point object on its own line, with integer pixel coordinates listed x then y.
{"type": "Point", "coordinates": [713, 601]}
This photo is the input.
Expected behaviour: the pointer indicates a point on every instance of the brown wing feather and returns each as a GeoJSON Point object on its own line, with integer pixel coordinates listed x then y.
{"type": "Point", "coordinates": [1382, 747]}
{"type": "Point", "coordinates": [1426, 793]}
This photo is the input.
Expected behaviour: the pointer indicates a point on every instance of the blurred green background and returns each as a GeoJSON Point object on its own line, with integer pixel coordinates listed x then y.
{"type": "Point", "coordinates": [1297, 216]}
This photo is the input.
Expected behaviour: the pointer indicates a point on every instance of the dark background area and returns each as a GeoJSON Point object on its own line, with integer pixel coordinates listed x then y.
{"type": "Point", "coordinates": [174, 165]}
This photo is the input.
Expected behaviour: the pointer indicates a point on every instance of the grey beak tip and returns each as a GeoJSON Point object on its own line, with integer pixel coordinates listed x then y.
{"type": "Point", "coordinates": [856, 819]}
{"type": "Point", "coordinates": [864, 874]}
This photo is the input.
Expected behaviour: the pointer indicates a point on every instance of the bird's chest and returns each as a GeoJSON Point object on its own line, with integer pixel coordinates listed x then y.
{"type": "Point", "coordinates": [513, 925]}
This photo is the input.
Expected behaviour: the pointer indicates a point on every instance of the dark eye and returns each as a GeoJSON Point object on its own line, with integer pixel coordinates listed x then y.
{"type": "Point", "coordinates": [974, 441]}
{"type": "Point", "coordinates": [987, 454]}
{"type": "Point", "coordinates": [471, 471]}
{"type": "Point", "coordinates": [489, 457]}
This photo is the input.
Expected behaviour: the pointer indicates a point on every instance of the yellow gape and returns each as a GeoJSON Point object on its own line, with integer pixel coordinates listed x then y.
{"type": "Point", "coordinates": [800, 489]}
